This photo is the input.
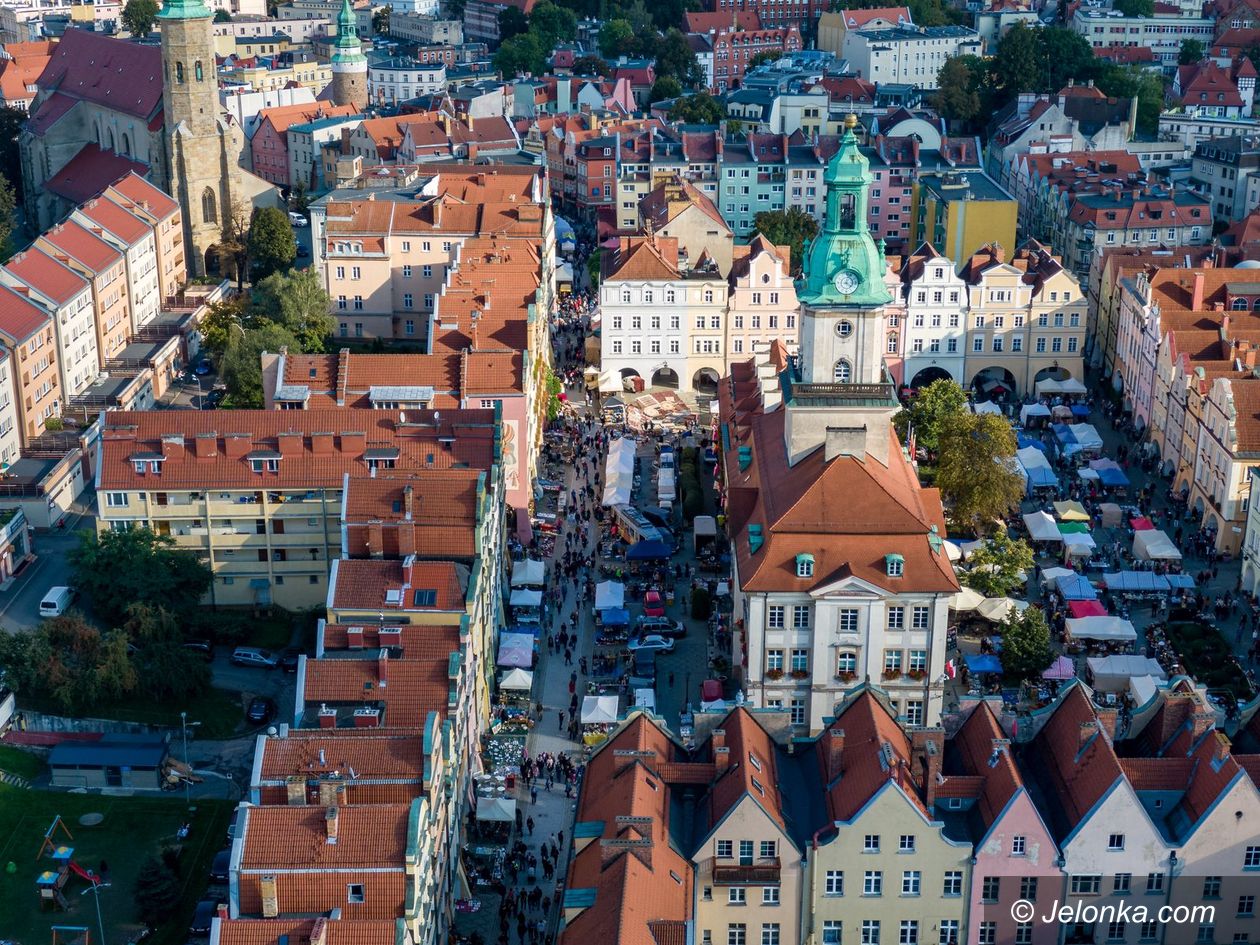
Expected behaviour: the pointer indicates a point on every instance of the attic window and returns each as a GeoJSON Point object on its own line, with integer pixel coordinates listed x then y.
{"type": "Point", "coordinates": [354, 892]}
{"type": "Point", "coordinates": [894, 565]}
{"type": "Point", "coordinates": [752, 760]}
{"type": "Point", "coordinates": [755, 539]}
{"type": "Point", "coordinates": [804, 565]}
{"type": "Point", "coordinates": [259, 465]}
{"type": "Point", "coordinates": [757, 787]}
{"type": "Point", "coordinates": [312, 374]}
{"type": "Point", "coordinates": [424, 599]}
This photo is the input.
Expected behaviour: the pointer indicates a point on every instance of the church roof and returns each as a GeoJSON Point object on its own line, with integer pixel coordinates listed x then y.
{"type": "Point", "coordinates": [115, 74]}
{"type": "Point", "coordinates": [89, 172]}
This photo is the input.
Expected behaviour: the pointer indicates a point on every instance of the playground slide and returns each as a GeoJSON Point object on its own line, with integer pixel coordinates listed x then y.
{"type": "Point", "coordinates": [81, 872]}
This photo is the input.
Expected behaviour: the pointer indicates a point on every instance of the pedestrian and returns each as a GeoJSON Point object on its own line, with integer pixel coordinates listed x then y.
{"type": "Point", "coordinates": [560, 838]}
{"type": "Point", "coordinates": [533, 795]}
{"type": "Point", "coordinates": [560, 725]}
{"type": "Point", "coordinates": [529, 825]}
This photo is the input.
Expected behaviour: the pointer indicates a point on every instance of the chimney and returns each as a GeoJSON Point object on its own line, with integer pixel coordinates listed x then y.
{"type": "Point", "coordinates": [367, 718]}
{"type": "Point", "coordinates": [322, 444]}
{"type": "Point", "coordinates": [1088, 730]}
{"type": "Point", "coordinates": [327, 717]}
{"type": "Point", "coordinates": [1196, 300]}
{"type": "Point", "coordinates": [295, 790]}
{"type": "Point", "coordinates": [319, 932]}
{"type": "Point", "coordinates": [290, 444]}
{"type": "Point", "coordinates": [1201, 719]}
{"type": "Point", "coordinates": [267, 892]}
{"type": "Point", "coordinates": [236, 445]}
{"type": "Point", "coordinates": [331, 793]}
{"type": "Point", "coordinates": [1107, 718]}
{"type": "Point", "coordinates": [927, 751]}
{"type": "Point", "coordinates": [1220, 747]}
{"type": "Point", "coordinates": [331, 817]}
{"type": "Point", "coordinates": [718, 738]}
{"type": "Point", "coordinates": [721, 760]}
{"type": "Point", "coordinates": [835, 753]}
{"type": "Point", "coordinates": [354, 441]}
{"type": "Point", "coordinates": [390, 636]}
{"type": "Point", "coordinates": [376, 540]}
{"type": "Point", "coordinates": [173, 445]}
{"type": "Point", "coordinates": [408, 501]}
{"type": "Point", "coordinates": [406, 539]}
{"type": "Point", "coordinates": [382, 668]}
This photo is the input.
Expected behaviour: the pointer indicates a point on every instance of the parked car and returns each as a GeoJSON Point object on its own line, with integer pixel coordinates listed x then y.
{"type": "Point", "coordinates": [203, 367]}
{"type": "Point", "coordinates": [253, 656]}
{"type": "Point", "coordinates": [57, 601]}
{"type": "Point", "coordinates": [663, 626]}
{"type": "Point", "coordinates": [220, 865]}
{"type": "Point", "coordinates": [213, 399]}
{"type": "Point", "coordinates": [289, 659]}
{"type": "Point", "coordinates": [651, 641]}
{"type": "Point", "coordinates": [298, 220]}
{"type": "Point", "coordinates": [302, 251]}
{"type": "Point", "coordinates": [202, 917]}
{"type": "Point", "coordinates": [203, 648]}
{"type": "Point", "coordinates": [261, 711]}
{"type": "Point", "coordinates": [653, 604]}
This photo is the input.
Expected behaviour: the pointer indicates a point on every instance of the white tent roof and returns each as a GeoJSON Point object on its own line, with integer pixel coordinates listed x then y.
{"type": "Point", "coordinates": [502, 809]}
{"type": "Point", "coordinates": [998, 609]}
{"type": "Point", "coordinates": [1031, 458]}
{"type": "Point", "coordinates": [952, 551]}
{"type": "Point", "coordinates": [1048, 386]}
{"type": "Point", "coordinates": [704, 525]}
{"type": "Point", "coordinates": [1042, 526]}
{"type": "Point", "coordinates": [619, 472]}
{"type": "Point", "coordinates": [985, 406]}
{"type": "Point", "coordinates": [516, 649]}
{"type": "Point", "coordinates": [1032, 410]}
{"type": "Point", "coordinates": [599, 710]}
{"type": "Point", "coordinates": [609, 594]}
{"type": "Point", "coordinates": [1151, 544]}
{"type": "Point", "coordinates": [1087, 436]}
{"type": "Point", "coordinates": [1071, 512]}
{"type": "Point", "coordinates": [526, 598]}
{"type": "Point", "coordinates": [1072, 386]}
{"type": "Point", "coordinates": [1112, 673]}
{"type": "Point", "coordinates": [528, 573]}
{"type": "Point", "coordinates": [1101, 628]}
{"type": "Point", "coordinates": [609, 383]}
{"type": "Point", "coordinates": [517, 679]}
{"type": "Point", "coordinates": [1142, 689]}
{"type": "Point", "coordinates": [1050, 575]}
{"type": "Point", "coordinates": [1079, 544]}
{"type": "Point", "coordinates": [966, 599]}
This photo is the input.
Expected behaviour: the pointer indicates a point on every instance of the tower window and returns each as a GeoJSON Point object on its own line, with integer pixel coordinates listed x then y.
{"type": "Point", "coordinates": [842, 372]}
{"type": "Point", "coordinates": [848, 212]}
{"type": "Point", "coordinates": [179, 73]}
{"type": "Point", "coordinates": [209, 212]}
{"type": "Point", "coordinates": [197, 69]}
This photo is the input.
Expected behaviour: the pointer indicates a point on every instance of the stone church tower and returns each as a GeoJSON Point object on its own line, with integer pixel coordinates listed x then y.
{"type": "Point", "coordinates": [349, 65]}
{"type": "Point", "coordinates": [200, 163]}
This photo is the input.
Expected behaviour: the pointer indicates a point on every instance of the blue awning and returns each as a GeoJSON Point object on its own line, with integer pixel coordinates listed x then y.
{"type": "Point", "coordinates": [1113, 477]}
{"type": "Point", "coordinates": [983, 663]}
{"type": "Point", "coordinates": [615, 617]}
{"type": "Point", "coordinates": [649, 550]}
{"type": "Point", "coordinates": [1075, 587]}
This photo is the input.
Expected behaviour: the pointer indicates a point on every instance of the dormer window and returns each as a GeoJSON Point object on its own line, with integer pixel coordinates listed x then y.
{"type": "Point", "coordinates": [894, 565]}
{"type": "Point", "coordinates": [804, 565]}
{"type": "Point", "coordinates": [264, 465]}
{"type": "Point", "coordinates": [147, 463]}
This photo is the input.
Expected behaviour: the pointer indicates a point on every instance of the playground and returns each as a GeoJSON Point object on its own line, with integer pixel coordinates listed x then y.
{"type": "Point", "coordinates": [53, 847]}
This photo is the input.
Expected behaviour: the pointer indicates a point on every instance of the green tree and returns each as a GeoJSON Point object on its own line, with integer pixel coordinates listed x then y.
{"type": "Point", "coordinates": [118, 569]}
{"type": "Point", "coordinates": [1068, 55]}
{"type": "Point", "coordinates": [166, 671]}
{"type": "Point", "coordinates": [1026, 650]}
{"type": "Point", "coordinates": [11, 122]}
{"type": "Point", "coordinates": [240, 366]}
{"type": "Point", "coordinates": [156, 892]}
{"type": "Point", "coordinates": [593, 264]}
{"type": "Point", "coordinates": [616, 39]}
{"type": "Point", "coordinates": [959, 82]}
{"type": "Point", "coordinates": [1135, 82]}
{"type": "Point", "coordinates": [380, 20]}
{"type": "Point", "coordinates": [8, 216]}
{"type": "Point", "coordinates": [929, 409]}
{"type": "Point", "coordinates": [521, 54]}
{"type": "Point", "coordinates": [769, 55]}
{"type": "Point", "coordinates": [1134, 7]}
{"type": "Point", "coordinates": [296, 300]}
{"type": "Point", "coordinates": [1191, 52]}
{"type": "Point", "coordinates": [272, 247]}
{"type": "Point", "coordinates": [512, 22]}
{"type": "Point", "coordinates": [999, 567]}
{"type": "Point", "coordinates": [789, 228]}
{"type": "Point", "coordinates": [699, 108]}
{"type": "Point", "coordinates": [222, 318]}
{"type": "Point", "coordinates": [139, 16]}
{"type": "Point", "coordinates": [591, 66]}
{"type": "Point", "coordinates": [664, 89]}
{"type": "Point", "coordinates": [1019, 65]}
{"type": "Point", "coordinates": [70, 662]}
{"type": "Point", "coordinates": [222, 16]}
{"type": "Point", "coordinates": [973, 469]}
{"type": "Point", "coordinates": [676, 58]}
{"type": "Point", "coordinates": [552, 24]}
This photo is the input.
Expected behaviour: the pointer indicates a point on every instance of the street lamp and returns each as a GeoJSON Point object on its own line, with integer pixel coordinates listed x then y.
{"type": "Point", "coordinates": [184, 726]}
{"type": "Point", "coordinates": [95, 889]}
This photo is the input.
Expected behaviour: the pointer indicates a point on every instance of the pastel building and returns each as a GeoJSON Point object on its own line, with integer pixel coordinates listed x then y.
{"type": "Point", "coordinates": [134, 238]}
{"type": "Point", "coordinates": [762, 306]}
{"type": "Point", "coordinates": [106, 269]}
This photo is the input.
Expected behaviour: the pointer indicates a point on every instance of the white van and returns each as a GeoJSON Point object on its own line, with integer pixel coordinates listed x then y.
{"type": "Point", "coordinates": [298, 220]}
{"type": "Point", "coordinates": [56, 602]}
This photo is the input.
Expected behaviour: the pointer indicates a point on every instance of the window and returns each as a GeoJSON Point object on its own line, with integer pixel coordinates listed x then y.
{"type": "Point", "coordinates": [1115, 841]}
{"type": "Point", "coordinates": [1211, 887]}
{"type": "Point", "coordinates": [1154, 882]}
{"type": "Point", "coordinates": [910, 882]}
{"type": "Point", "coordinates": [1122, 883]}
{"type": "Point", "coordinates": [988, 933]}
{"type": "Point", "coordinates": [1028, 888]}
{"type": "Point", "coordinates": [834, 883]}
{"type": "Point", "coordinates": [991, 889]}
{"type": "Point", "coordinates": [736, 895]}
{"type": "Point", "coordinates": [920, 618]}
{"type": "Point", "coordinates": [909, 932]}
{"type": "Point", "coordinates": [745, 852]}
{"type": "Point", "coordinates": [774, 660]}
{"type": "Point", "coordinates": [115, 500]}
{"type": "Point", "coordinates": [736, 934]}
{"type": "Point", "coordinates": [769, 895]}
{"type": "Point", "coordinates": [804, 565]}
{"type": "Point", "coordinates": [870, 843]}
{"type": "Point", "coordinates": [896, 618]}
{"type": "Point", "coordinates": [724, 848]}
{"type": "Point", "coordinates": [1247, 905]}
{"type": "Point", "coordinates": [209, 212]}
{"type": "Point", "coordinates": [870, 932]}
{"type": "Point", "coordinates": [774, 617]}
{"type": "Point", "coordinates": [354, 892]}
{"type": "Point", "coordinates": [1086, 885]}
{"type": "Point", "coordinates": [905, 844]}
{"type": "Point", "coordinates": [872, 883]}
{"type": "Point", "coordinates": [847, 621]}
{"type": "Point", "coordinates": [798, 711]}
{"type": "Point", "coordinates": [892, 662]}
{"type": "Point", "coordinates": [949, 932]}
{"type": "Point", "coordinates": [846, 662]}
{"type": "Point", "coordinates": [1204, 934]}
{"type": "Point", "coordinates": [842, 372]}
{"type": "Point", "coordinates": [800, 662]}
{"type": "Point", "coordinates": [953, 883]}
{"type": "Point", "coordinates": [1023, 933]}
{"type": "Point", "coordinates": [768, 849]}
{"type": "Point", "coordinates": [407, 300]}
{"type": "Point", "coordinates": [895, 565]}
{"type": "Point", "coordinates": [1251, 858]}
{"type": "Point", "coordinates": [1149, 930]}
{"type": "Point", "coordinates": [831, 932]}
{"type": "Point", "coordinates": [800, 616]}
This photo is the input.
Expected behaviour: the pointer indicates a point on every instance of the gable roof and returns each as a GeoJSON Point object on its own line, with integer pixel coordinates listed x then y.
{"type": "Point", "coordinates": [89, 172]}
{"type": "Point", "coordinates": [19, 317]}
{"type": "Point", "coordinates": [119, 75]}
{"type": "Point", "coordinates": [872, 751]}
{"type": "Point", "coordinates": [46, 275]}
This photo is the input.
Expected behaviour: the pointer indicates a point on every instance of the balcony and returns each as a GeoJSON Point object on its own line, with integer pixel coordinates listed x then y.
{"type": "Point", "coordinates": [761, 873]}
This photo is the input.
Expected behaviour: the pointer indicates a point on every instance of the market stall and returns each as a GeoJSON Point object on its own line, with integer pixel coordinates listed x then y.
{"type": "Point", "coordinates": [966, 600]}
{"type": "Point", "coordinates": [610, 595]}
{"type": "Point", "coordinates": [619, 472]}
{"type": "Point", "coordinates": [529, 572]}
{"type": "Point", "coordinates": [1042, 527]}
{"type": "Point", "coordinates": [1142, 690]}
{"type": "Point", "coordinates": [983, 663]}
{"type": "Point", "coordinates": [526, 604]}
{"type": "Point", "coordinates": [1060, 670]}
{"type": "Point", "coordinates": [997, 609]}
{"type": "Point", "coordinates": [1086, 608]}
{"type": "Point", "coordinates": [1071, 512]}
{"type": "Point", "coordinates": [1032, 412]}
{"type": "Point", "coordinates": [1154, 545]}
{"type": "Point", "coordinates": [1112, 673]}
{"type": "Point", "coordinates": [516, 649]}
{"type": "Point", "coordinates": [1074, 587]}
{"type": "Point", "coordinates": [517, 680]}
{"type": "Point", "coordinates": [599, 716]}
{"type": "Point", "coordinates": [1112, 515]}
{"type": "Point", "coordinates": [1102, 629]}
{"type": "Point", "coordinates": [1038, 472]}
{"type": "Point", "coordinates": [1136, 582]}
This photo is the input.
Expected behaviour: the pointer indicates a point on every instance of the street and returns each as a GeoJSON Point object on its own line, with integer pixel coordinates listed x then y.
{"type": "Point", "coordinates": [19, 603]}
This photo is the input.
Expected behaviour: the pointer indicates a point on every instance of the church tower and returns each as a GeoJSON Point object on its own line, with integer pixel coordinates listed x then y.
{"type": "Point", "coordinates": [195, 149]}
{"type": "Point", "coordinates": [842, 292]}
{"type": "Point", "coordinates": [349, 65]}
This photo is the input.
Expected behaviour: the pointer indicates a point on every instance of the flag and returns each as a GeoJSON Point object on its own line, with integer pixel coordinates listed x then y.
{"type": "Point", "coordinates": [951, 669]}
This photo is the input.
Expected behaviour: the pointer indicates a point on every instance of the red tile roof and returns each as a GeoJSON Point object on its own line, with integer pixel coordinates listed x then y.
{"type": "Point", "coordinates": [859, 19]}
{"type": "Point", "coordinates": [875, 752]}
{"type": "Point", "coordinates": [1076, 757]}
{"type": "Point", "coordinates": [83, 246]}
{"type": "Point", "coordinates": [363, 584]}
{"type": "Point", "coordinates": [276, 838]}
{"type": "Point", "coordinates": [45, 275]}
{"type": "Point", "coordinates": [642, 259]}
{"type": "Point", "coordinates": [117, 221]}
{"type": "Point", "coordinates": [414, 686]}
{"type": "Point", "coordinates": [722, 21]}
{"type": "Point", "coordinates": [281, 117]}
{"type": "Point", "coordinates": [89, 172]}
{"type": "Point", "coordinates": [752, 771]}
{"type": "Point", "coordinates": [136, 188]}
{"type": "Point", "coordinates": [19, 317]}
{"type": "Point", "coordinates": [368, 753]}
{"type": "Point", "coordinates": [118, 75]}
{"type": "Point", "coordinates": [974, 745]}
{"type": "Point", "coordinates": [298, 931]}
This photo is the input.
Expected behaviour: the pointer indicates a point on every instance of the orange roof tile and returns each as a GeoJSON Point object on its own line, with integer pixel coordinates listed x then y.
{"type": "Point", "coordinates": [363, 584]}
{"type": "Point", "coordinates": [369, 753]}
{"type": "Point", "coordinates": [875, 752]}
{"type": "Point", "coordinates": [279, 838]}
{"type": "Point", "coordinates": [414, 686]}
{"type": "Point", "coordinates": [298, 931]}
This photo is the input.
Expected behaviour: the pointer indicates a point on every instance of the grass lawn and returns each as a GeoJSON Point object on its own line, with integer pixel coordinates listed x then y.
{"type": "Point", "coordinates": [24, 764]}
{"type": "Point", "coordinates": [220, 712]}
{"type": "Point", "coordinates": [133, 829]}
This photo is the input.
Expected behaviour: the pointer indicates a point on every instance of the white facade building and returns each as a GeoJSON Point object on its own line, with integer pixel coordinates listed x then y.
{"type": "Point", "coordinates": [934, 327]}
{"type": "Point", "coordinates": [403, 78]}
{"type": "Point", "coordinates": [907, 56]}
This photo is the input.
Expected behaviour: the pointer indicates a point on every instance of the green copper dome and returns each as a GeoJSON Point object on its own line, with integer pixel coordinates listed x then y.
{"type": "Point", "coordinates": [347, 48]}
{"type": "Point", "coordinates": [185, 10]}
{"type": "Point", "coordinates": [844, 266]}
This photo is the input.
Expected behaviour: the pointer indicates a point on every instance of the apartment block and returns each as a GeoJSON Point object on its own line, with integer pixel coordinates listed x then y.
{"type": "Point", "coordinates": [1146, 216]}
{"type": "Point", "coordinates": [960, 212]}
{"type": "Point", "coordinates": [139, 197]}
{"type": "Point", "coordinates": [1162, 33]}
{"type": "Point", "coordinates": [907, 55]}
{"type": "Point", "coordinates": [29, 338]}
{"type": "Point", "coordinates": [135, 239]}
{"type": "Point", "coordinates": [105, 267]}
{"type": "Point", "coordinates": [1223, 170]}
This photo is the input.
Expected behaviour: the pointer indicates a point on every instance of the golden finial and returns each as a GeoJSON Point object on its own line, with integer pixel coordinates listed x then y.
{"type": "Point", "coordinates": [850, 121]}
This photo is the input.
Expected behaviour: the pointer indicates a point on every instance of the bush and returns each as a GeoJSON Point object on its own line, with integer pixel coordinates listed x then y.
{"type": "Point", "coordinates": [701, 604]}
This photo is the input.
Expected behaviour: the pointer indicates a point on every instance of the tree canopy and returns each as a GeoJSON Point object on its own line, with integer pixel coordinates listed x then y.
{"type": "Point", "coordinates": [1135, 7]}
{"type": "Point", "coordinates": [552, 24]}
{"type": "Point", "coordinates": [973, 471]}
{"type": "Point", "coordinates": [139, 16]}
{"type": "Point", "coordinates": [1191, 52]}
{"type": "Point", "coordinates": [240, 366]}
{"type": "Point", "coordinates": [617, 38]}
{"type": "Point", "coordinates": [664, 89]}
{"type": "Point", "coordinates": [271, 245]}
{"type": "Point", "coordinates": [699, 108]}
{"type": "Point", "coordinates": [960, 83]}
{"type": "Point", "coordinates": [999, 567]}
{"type": "Point", "coordinates": [675, 58]}
{"type": "Point", "coordinates": [520, 54]}
{"type": "Point", "coordinates": [789, 228]}
{"type": "Point", "coordinates": [928, 409]}
{"type": "Point", "coordinates": [8, 216]}
{"type": "Point", "coordinates": [118, 569]}
{"type": "Point", "coordinates": [591, 66]}
{"type": "Point", "coordinates": [1026, 650]}
{"type": "Point", "coordinates": [512, 22]}
{"type": "Point", "coordinates": [296, 300]}
{"type": "Point", "coordinates": [11, 122]}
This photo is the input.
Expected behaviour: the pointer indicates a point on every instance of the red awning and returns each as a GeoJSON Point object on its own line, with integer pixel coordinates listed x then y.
{"type": "Point", "coordinates": [1142, 524]}
{"type": "Point", "coordinates": [524, 530]}
{"type": "Point", "coordinates": [1087, 608]}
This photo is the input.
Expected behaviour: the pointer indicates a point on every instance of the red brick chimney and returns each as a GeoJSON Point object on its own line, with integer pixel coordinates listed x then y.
{"type": "Point", "coordinates": [173, 445]}
{"type": "Point", "coordinates": [1107, 718]}
{"type": "Point", "coordinates": [835, 752]}
{"type": "Point", "coordinates": [331, 818]}
{"type": "Point", "coordinates": [408, 502]}
{"type": "Point", "coordinates": [376, 542]}
{"type": "Point", "coordinates": [1088, 730]}
{"type": "Point", "coordinates": [1196, 298]}
{"type": "Point", "coordinates": [406, 539]}
{"type": "Point", "coordinates": [927, 751]}
{"type": "Point", "coordinates": [205, 446]}
{"type": "Point", "coordinates": [322, 444]}
{"type": "Point", "coordinates": [354, 638]}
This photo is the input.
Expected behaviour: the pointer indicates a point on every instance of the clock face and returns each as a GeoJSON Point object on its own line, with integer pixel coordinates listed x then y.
{"type": "Point", "coordinates": [847, 281]}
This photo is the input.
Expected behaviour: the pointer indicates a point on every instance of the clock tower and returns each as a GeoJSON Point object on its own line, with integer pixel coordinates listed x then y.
{"type": "Point", "coordinates": [842, 291]}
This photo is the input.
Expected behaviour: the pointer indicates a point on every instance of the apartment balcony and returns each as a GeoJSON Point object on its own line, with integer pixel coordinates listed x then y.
{"type": "Point", "coordinates": [763, 872]}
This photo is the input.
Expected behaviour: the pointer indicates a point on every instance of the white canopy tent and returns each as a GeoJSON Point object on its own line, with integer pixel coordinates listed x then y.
{"type": "Point", "coordinates": [516, 649]}
{"type": "Point", "coordinates": [522, 597]}
{"type": "Point", "coordinates": [998, 609]}
{"type": "Point", "coordinates": [1051, 386]}
{"type": "Point", "coordinates": [1112, 673]}
{"type": "Point", "coordinates": [1050, 575]}
{"type": "Point", "coordinates": [599, 710]}
{"type": "Point", "coordinates": [609, 595]}
{"type": "Point", "coordinates": [499, 809]}
{"type": "Point", "coordinates": [1151, 544]}
{"type": "Point", "coordinates": [966, 599]}
{"type": "Point", "coordinates": [1079, 545]}
{"type": "Point", "coordinates": [1101, 628]}
{"type": "Point", "coordinates": [609, 383]}
{"type": "Point", "coordinates": [1042, 526]}
{"type": "Point", "coordinates": [1142, 689]}
{"type": "Point", "coordinates": [528, 573]}
{"type": "Point", "coordinates": [952, 551]}
{"type": "Point", "coordinates": [619, 472]}
{"type": "Point", "coordinates": [1032, 458]}
{"type": "Point", "coordinates": [517, 679]}
{"type": "Point", "coordinates": [1032, 410]}
{"type": "Point", "coordinates": [1086, 436]}
{"type": "Point", "coordinates": [986, 406]}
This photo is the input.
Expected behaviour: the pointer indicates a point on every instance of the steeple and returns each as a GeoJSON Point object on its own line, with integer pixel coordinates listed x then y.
{"type": "Point", "coordinates": [347, 48]}
{"type": "Point", "coordinates": [844, 266]}
{"type": "Point", "coordinates": [185, 10]}
{"type": "Point", "coordinates": [349, 65]}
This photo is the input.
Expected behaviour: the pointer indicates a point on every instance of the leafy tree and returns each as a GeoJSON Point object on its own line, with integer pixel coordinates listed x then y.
{"type": "Point", "coordinates": [300, 198]}
{"type": "Point", "coordinates": [769, 55]}
{"type": "Point", "coordinates": [11, 122]}
{"type": "Point", "coordinates": [699, 108]}
{"type": "Point", "coordinates": [1068, 55]}
{"type": "Point", "coordinates": [380, 20]}
{"type": "Point", "coordinates": [512, 22]}
{"type": "Point", "coordinates": [272, 246]}
{"type": "Point", "coordinates": [664, 89]}
{"type": "Point", "coordinates": [118, 569]}
{"type": "Point", "coordinates": [591, 66]}
{"type": "Point", "coordinates": [995, 568]}
{"type": "Point", "coordinates": [70, 662]}
{"type": "Point", "coordinates": [959, 82]}
{"type": "Point", "coordinates": [222, 318]}
{"type": "Point", "coordinates": [1026, 648]}
{"type": "Point", "coordinates": [670, 13]}
{"type": "Point", "coordinates": [616, 39]}
{"type": "Point", "coordinates": [552, 24]}
{"type": "Point", "coordinates": [593, 268]}
{"type": "Point", "coordinates": [521, 54]}
{"type": "Point", "coordinates": [139, 16]}
{"type": "Point", "coordinates": [972, 469]}
{"type": "Point", "coordinates": [676, 58]}
{"type": "Point", "coordinates": [156, 892]}
{"type": "Point", "coordinates": [8, 215]}
{"type": "Point", "coordinates": [790, 228]}
{"type": "Point", "coordinates": [1135, 82]}
{"type": "Point", "coordinates": [1190, 53]}
{"type": "Point", "coordinates": [929, 409]}
{"type": "Point", "coordinates": [240, 367]}
{"type": "Point", "coordinates": [1135, 7]}
{"type": "Point", "coordinates": [222, 16]}
{"type": "Point", "coordinates": [296, 300]}
{"type": "Point", "coordinates": [1019, 65]}
{"type": "Point", "coordinates": [167, 672]}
